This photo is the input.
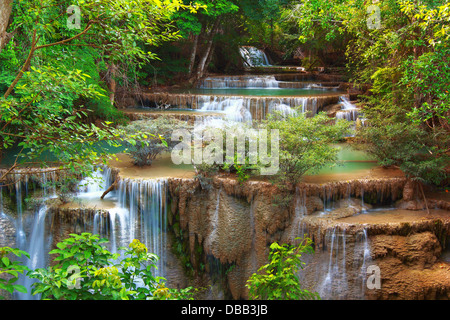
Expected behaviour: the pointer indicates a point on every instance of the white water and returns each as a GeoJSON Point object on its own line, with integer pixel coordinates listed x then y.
{"type": "Point", "coordinates": [37, 247]}
{"type": "Point", "coordinates": [211, 241]}
{"type": "Point", "coordinates": [35, 241]}
{"type": "Point", "coordinates": [241, 109]}
{"type": "Point", "coordinates": [254, 57]}
{"type": "Point", "coordinates": [254, 81]}
{"type": "Point", "coordinates": [143, 216]}
{"type": "Point", "coordinates": [235, 108]}
{"type": "Point", "coordinates": [349, 111]}
{"type": "Point", "coordinates": [94, 186]}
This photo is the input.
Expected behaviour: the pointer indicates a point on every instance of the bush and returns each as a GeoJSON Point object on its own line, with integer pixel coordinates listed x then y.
{"type": "Point", "coordinates": [306, 144]}
{"type": "Point", "coordinates": [156, 138]}
{"type": "Point", "coordinates": [278, 279]}
{"type": "Point", "coordinates": [86, 270]}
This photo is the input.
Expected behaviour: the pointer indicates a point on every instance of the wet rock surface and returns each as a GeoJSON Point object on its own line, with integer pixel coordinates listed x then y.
{"type": "Point", "coordinates": [226, 230]}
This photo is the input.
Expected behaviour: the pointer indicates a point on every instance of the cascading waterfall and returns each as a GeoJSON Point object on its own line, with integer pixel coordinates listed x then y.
{"type": "Point", "coordinates": [254, 57]}
{"type": "Point", "coordinates": [334, 285]}
{"type": "Point", "coordinates": [145, 217]}
{"type": "Point", "coordinates": [239, 82]}
{"type": "Point", "coordinates": [37, 247]}
{"type": "Point", "coordinates": [363, 258]}
{"type": "Point", "coordinates": [298, 229]}
{"type": "Point", "coordinates": [214, 224]}
{"type": "Point", "coordinates": [94, 186]}
{"type": "Point", "coordinates": [235, 108]}
{"type": "Point", "coordinates": [349, 111]}
{"type": "Point", "coordinates": [35, 242]}
{"type": "Point", "coordinates": [244, 109]}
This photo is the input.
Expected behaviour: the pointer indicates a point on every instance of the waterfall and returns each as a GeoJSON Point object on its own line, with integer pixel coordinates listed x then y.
{"type": "Point", "coordinates": [214, 224]}
{"type": "Point", "coordinates": [235, 108]}
{"type": "Point", "coordinates": [94, 186]}
{"type": "Point", "coordinates": [334, 284]}
{"type": "Point", "coordinates": [244, 109]}
{"type": "Point", "coordinates": [282, 109]}
{"type": "Point", "coordinates": [37, 247]}
{"type": "Point", "coordinates": [362, 258]}
{"type": "Point", "coordinates": [144, 216]}
{"type": "Point", "coordinates": [253, 81]}
{"type": "Point", "coordinates": [254, 57]}
{"type": "Point", "coordinates": [348, 112]}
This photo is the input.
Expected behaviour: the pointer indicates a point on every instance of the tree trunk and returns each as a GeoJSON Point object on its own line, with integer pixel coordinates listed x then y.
{"type": "Point", "coordinates": [206, 53]}
{"type": "Point", "coordinates": [5, 13]}
{"type": "Point", "coordinates": [112, 69]}
{"type": "Point", "coordinates": [193, 54]}
{"type": "Point", "coordinates": [211, 54]}
{"type": "Point", "coordinates": [25, 66]}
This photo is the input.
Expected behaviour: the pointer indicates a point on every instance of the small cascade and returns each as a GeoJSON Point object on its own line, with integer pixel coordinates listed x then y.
{"type": "Point", "coordinates": [362, 259]}
{"type": "Point", "coordinates": [145, 216]}
{"type": "Point", "coordinates": [38, 248]}
{"type": "Point", "coordinates": [254, 81]}
{"type": "Point", "coordinates": [334, 284]}
{"type": "Point", "coordinates": [244, 107]}
{"type": "Point", "coordinates": [327, 196]}
{"type": "Point", "coordinates": [29, 224]}
{"type": "Point", "coordinates": [349, 111]}
{"type": "Point", "coordinates": [95, 185]}
{"type": "Point", "coordinates": [20, 232]}
{"type": "Point", "coordinates": [253, 57]}
{"type": "Point", "coordinates": [298, 227]}
{"type": "Point", "coordinates": [214, 223]}
{"type": "Point", "coordinates": [235, 108]}
{"type": "Point", "coordinates": [282, 109]}
{"type": "Point", "coordinates": [338, 269]}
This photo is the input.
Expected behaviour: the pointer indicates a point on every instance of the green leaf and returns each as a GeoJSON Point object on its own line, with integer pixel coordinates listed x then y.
{"type": "Point", "coordinates": [20, 288]}
{"type": "Point", "coordinates": [6, 261]}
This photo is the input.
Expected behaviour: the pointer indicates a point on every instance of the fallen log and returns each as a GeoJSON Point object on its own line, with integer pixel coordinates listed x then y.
{"type": "Point", "coordinates": [111, 187]}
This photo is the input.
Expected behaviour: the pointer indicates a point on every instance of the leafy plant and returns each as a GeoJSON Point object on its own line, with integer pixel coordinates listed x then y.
{"type": "Point", "coordinates": [278, 279]}
{"type": "Point", "coordinates": [86, 270]}
{"type": "Point", "coordinates": [306, 144]}
{"type": "Point", "coordinates": [155, 138]}
{"type": "Point", "coordinates": [10, 270]}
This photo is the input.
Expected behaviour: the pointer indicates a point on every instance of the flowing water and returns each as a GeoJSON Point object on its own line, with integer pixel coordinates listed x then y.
{"type": "Point", "coordinates": [254, 57]}
{"type": "Point", "coordinates": [138, 208]}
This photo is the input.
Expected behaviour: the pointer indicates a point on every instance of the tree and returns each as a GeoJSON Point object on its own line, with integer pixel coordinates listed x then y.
{"type": "Point", "coordinates": [5, 12]}
{"type": "Point", "coordinates": [278, 280]}
{"type": "Point", "coordinates": [306, 144]}
{"type": "Point", "coordinates": [402, 58]}
{"type": "Point", "coordinates": [262, 14]}
{"type": "Point", "coordinates": [203, 26]}
{"type": "Point", "coordinates": [45, 103]}
{"type": "Point", "coordinates": [156, 136]}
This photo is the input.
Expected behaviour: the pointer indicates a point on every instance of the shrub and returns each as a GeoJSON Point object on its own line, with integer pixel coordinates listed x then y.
{"type": "Point", "coordinates": [278, 279]}
{"type": "Point", "coordinates": [156, 138]}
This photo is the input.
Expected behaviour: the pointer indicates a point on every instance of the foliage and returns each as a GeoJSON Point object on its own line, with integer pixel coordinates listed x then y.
{"type": "Point", "coordinates": [86, 270]}
{"type": "Point", "coordinates": [155, 138]}
{"type": "Point", "coordinates": [278, 279]}
{"type": "Point", "coordinates": [40, 119]}
{"type": "Point", "coordinates": [217, 158]}
{"type": "Point", "coordinates": [10, 270]}
{"type": "Point", "coordinates": [420, 155]}
{"type": "Point", "coordinates": [243, 170]}
{"type": "Point", "coordinates": [53, 73]}
{"type": "Point", "coordinates": [404, 62]}
{"type": "Point", "coordinates": [306, 144]}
